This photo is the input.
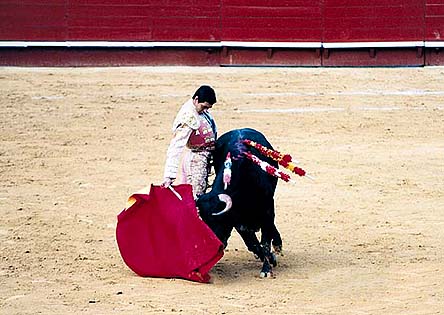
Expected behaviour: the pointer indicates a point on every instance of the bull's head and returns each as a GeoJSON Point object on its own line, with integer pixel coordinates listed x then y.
{"type": "Point", "coordinates": [213, 210]}
{"type": "Point", "coordinates": [214, 205]}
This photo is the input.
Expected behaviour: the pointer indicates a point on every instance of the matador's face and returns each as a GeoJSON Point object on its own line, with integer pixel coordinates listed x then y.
{"type": "Point", "coordinates": [200, 107]}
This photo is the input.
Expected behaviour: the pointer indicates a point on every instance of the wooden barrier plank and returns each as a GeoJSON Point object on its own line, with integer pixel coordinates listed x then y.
{"type": "Point", "coordinates": [360, 20]}
{"type": "Point", "coordinates": [264, 23]}
{"type": "Point", "coordinates": [434, 21]}
{"type": "Point", "coordinates": [191, 34]}
{"type": "Point", "coordinates": [373, 3]}
{"type": "Point", "coordinates": [268, 3]}
{"type": "Point", "coordinates": [77, 10]}
{"type": "Point", "coordinates": [109, 34]}
{"type": "Point", "coordinates": [32, 20]}
{"type": "Point", "coordinates": [122, 22]}
{"type": "Point", "coordinates": [271, 12]}
{"type": "Point", "coordinates": [32, 33]}
{"type": "Point", "coordinates": [373, 35]}
{"type": "Point", "coordinates": [272, 34]}
{"type": "Point", "coordinates": [186, 22]}
{"type": "Point", "coordinates": [21, 10]}
{"type": "Point", "coordinates": [271, 21]}
{"type": "Point", "coordinates": [34, 2]}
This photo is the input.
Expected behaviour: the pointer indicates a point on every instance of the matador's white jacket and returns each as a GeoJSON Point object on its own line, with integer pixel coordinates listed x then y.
{"type": "Point", "coordinates": [192, 130]}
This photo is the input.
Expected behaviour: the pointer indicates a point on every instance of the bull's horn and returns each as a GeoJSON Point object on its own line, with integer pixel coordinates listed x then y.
{"type": "Point", "coordinates": [228, 203]}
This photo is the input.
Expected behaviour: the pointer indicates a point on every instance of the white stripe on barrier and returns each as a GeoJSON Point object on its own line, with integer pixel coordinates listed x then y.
{"type": "Point", "coordinates": [434, 44]}
{"type": "Point", "coordinates": [160, 44]}
{"type": "Point", "coordinates": [110, 44]}
{"type": "Point", "coordinates": [271, 44]}
{"type": "Point", "coordinates": [374, 44]}
{"type": "Point", "coordinates": [247, 44]}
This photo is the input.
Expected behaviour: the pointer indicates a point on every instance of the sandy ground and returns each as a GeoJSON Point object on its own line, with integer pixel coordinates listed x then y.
{"type": "Point", "coordinates": [366, 237]}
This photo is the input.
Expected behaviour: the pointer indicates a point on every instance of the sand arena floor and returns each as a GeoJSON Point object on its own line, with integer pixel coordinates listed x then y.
{"type": "Point", "coordinates": [366, 237]}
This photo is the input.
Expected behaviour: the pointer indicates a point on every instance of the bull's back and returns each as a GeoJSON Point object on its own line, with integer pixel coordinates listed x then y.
{"type": "Point", "coordinates": [231, 141]}
{"type": "Point", "coordinates": [246, 176]}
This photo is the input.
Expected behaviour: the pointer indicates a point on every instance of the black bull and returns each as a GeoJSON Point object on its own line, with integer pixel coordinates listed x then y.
{"type": "Point", "coordinates": [247, 204]}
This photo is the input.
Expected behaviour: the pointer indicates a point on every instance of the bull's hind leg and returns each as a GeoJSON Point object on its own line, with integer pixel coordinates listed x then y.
{"type": "Point", "coordinates": [276, 240]}
{"type": "Point", "coordinates": [270, 258]}
{"type": "Point", "coordinates": [269, 234]}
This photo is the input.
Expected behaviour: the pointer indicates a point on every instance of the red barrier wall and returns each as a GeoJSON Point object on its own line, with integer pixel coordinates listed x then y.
{"type": "Point", "coordinates": [110, 20]}
{"type": "Point", "coordinates": [265, 20]}
{"type": "Point", "coordinates": [215, 20]}
{"type": "Point", "coordinates": [334, 22]}
{"type": "Point", "coordinates": [434, 20]}
{"type": "Point", "coordinates": [31, 20]}
{"type": "Point", "coordinates": [376, 20]}
{"type": "Point", "coordinates": [434, 31]}
{"type": "Point", "coordinates": [138, 20]}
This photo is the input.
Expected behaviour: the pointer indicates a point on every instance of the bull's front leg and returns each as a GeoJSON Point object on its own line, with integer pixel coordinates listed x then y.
{"type": "Point", "coordinates": [261, 251]}
{"type": "Point", "coordinates": [251, 241]}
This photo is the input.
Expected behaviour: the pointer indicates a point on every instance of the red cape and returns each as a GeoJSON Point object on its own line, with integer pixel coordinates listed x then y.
{"type": "Point", "coordinates": [162, 236]}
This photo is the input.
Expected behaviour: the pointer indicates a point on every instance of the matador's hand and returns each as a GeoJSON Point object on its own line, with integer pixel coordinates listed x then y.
{"type": "Point", "coordinates": [167, 182]}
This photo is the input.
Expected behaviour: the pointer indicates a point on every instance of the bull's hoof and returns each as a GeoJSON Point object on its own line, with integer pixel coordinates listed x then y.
{"type": "Point", "coordinates": [272, 259]}
{"type": "Point", "coordinates": [266, 274]}
{"type": "Point", "coordinates": [277, 249]}
{"type": "Point", "coordinates": [266, 271]}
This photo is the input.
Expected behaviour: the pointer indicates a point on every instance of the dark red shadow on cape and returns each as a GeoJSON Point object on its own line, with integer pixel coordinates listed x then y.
{"type": "Point", "coordinates": [162, 236]}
